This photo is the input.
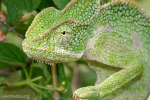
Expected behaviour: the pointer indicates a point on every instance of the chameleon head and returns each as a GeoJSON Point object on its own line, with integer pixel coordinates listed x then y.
{"type": "Point", "coordinates": [61, 35]}
{"type": "Point", "coordinates": [53, 39]}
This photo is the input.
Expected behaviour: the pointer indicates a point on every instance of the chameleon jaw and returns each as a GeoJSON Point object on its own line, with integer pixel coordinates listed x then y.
{"type": "Point", "coordinates": [50, 55]}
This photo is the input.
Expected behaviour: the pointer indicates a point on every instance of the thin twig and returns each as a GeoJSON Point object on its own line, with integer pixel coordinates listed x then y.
{"type": "Point", "coordinates": [55, 81]}
{"type": "Point", "coordinates": [76, 82]}
{"type": "Point", "coordinates": [102, 2]}
{"type": "Point", "coordinates": [10, 29]}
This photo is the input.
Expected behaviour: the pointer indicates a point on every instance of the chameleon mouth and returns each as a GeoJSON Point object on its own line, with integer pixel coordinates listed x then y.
{"type": "Point", "coordinates": [36, 53]}
{"type": "Point", "coordinates": [48, 56]}
{"type": "Point", "coordinates": [33, 48]}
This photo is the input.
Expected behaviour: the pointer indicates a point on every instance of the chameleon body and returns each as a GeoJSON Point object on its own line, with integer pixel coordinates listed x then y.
{"type": "Point", "coordinates": [113, 38]}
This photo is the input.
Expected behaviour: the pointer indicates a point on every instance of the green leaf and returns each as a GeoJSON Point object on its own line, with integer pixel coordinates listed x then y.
{"type": "Point", "coordinates": [17, 93]}
{"type": "Point", "coordinates": [106, 1]}
{"type": "Point", "coordinates": [4, 65]}
{"type": "Point", "coordinates": [17, 8]}
{"type": "Point", "coordinates": [35, 4]}
{"type": "Point", "coordinates": [45, 4]}
{"type": "Point", "coordinates": [1, 80]}
{"type": "Point", "coordinates": [61, 73]}
{"type": "Point", "coordinates": [67, 93]}
{"type": "Point", "coordinates": [11, 54]}
{"type": "Point", "coordinates": [38, 69]}
{"type": "Point", "coordinates": [47, 96]}
{"type": "Point", "coordinates": [44, 72]}
{"type": "Point", "coordinates": [13, 77]}
{"type": "Point", "coordinates": [87, 75]}
{"type": "Point", "coordinates": [47, 75]}
{"type": "Point", "coordinates": [61, 3]}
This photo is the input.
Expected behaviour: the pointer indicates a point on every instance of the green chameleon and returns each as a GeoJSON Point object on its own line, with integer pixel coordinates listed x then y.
{"type": "Point", "coordinates": [113, 38]}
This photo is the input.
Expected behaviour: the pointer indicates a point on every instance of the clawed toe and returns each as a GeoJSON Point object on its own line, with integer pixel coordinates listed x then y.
{"type": "Point", "coordinates": [76, 97]}
{"type": "Point", "coordinates": [86, 93]}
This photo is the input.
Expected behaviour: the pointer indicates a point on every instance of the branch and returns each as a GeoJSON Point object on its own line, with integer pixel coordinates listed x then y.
{"type": "Point", "coordinates": [55, 81]}
{"type": "Point", "coordinates": [10, 29]}
{"type": "Point", "coordinates": [76, 82]}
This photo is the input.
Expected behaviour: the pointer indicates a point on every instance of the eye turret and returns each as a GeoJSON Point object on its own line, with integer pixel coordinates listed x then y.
{"type": "Point", "coordinates": [61, 37]}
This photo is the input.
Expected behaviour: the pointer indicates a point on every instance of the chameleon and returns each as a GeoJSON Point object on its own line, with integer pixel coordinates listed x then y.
{"type": "Point", "coordinates": [114, 39]}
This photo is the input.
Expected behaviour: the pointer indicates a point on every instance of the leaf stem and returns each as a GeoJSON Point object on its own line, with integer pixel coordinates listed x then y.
{"type": "Point", "coordinates": [9, 28]}
{"type": "Point", "coordinates": [36, 89]}
{"type": "Point", "coordinates": [20, 83]}
{"type": "Point", "coordinates": [31, 67]}
{"type": "Point", "coordinates": [6, 82]}
{"type": "Point", "coordinates": [27, 81]}
{"type": "Point", "coordinates": [25, 71]}
{"type": "Point", "coordinates": [48, 80]}
{"type": "Point", "coordinates": [46, 88]}
{"type": "Point", "coordinates": [35, 79]}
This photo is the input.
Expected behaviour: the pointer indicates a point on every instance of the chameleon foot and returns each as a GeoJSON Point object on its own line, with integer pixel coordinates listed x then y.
{"type": "Point", "coordinates": [86, 93]}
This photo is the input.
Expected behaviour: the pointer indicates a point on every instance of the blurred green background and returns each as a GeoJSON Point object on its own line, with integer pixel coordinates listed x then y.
{"type": "Point", "coordinates": [85, 75]}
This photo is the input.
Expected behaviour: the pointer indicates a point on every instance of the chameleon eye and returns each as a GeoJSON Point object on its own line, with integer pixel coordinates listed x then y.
{"type": "Point", "coordinates": [64, 32]}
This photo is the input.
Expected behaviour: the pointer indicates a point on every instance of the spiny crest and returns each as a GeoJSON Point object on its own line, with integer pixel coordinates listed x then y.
{"type": "Point", "coordinates": [82, 10]}
{"type": "Point", "coordinates": [125, 11]}
{"type": "Point", "coordinates": [130, 4]}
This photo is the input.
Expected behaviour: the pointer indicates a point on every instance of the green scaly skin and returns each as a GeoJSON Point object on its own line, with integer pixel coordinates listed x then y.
{"type": "Point", "coordinates": [114, 39]}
